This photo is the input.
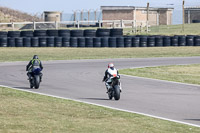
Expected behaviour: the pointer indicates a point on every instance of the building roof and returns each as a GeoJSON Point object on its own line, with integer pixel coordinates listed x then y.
{"type": "Point", "coordinates": [192, 8]}
{"type": "Point", "coordinates": [133, 8]}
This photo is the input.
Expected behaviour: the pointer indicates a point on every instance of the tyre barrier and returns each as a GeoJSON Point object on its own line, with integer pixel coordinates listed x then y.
{"type": "Point", "coordinates": [125, 41]}
{"type": "Point", "coordinates": [40, 33]}
{"type": "Point", "coordinates": [3, 34]}
{"type": "Point", "coordinates": [97, 42]}
{"type": "Point", "coordinates": [14, 34]}
{"type": "Point", "coordinates": [88, 42]}
{"type": "Point", "coordinates": [19, 42]}
{"type": "Point", "coordinates": [52, 33]}
{"type": "Point", "coordinates": [11, 42]}
{"type": "Point", "coordinates": [104, 42]}
{"type": "Point", "coordinates": [81, 42]}
{"type": "Point", "coordinates": [116, 32]}
{"type": "Point", "coordinates": [150, 41]}
{"type": "Point", "coordinates": [103, 32]}
{"type": "Point", "coordinates": [27, 33]}
{"type": "Point", "coordinates": [89, 33]}
{"type": "Point", "coordinates": [112, 42]}
{"type": "Point", "coordinates": [27, 42]}
{"type": "Point", "coordinates": [76, 33]}
{"type": "Point", "coordinates": [120, 42]}
{"type": "Point", "coordinates": [64, 33]}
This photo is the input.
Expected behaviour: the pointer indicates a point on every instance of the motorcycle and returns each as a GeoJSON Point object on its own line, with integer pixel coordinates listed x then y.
{"type": "Point", "coordinates": [114, 91]}
{"type": "Point", "coordinates": [35, 79]}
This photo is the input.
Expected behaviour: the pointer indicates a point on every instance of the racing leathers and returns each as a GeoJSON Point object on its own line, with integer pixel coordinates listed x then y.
{"type": "Point", "coordinates": [33, 64]}
{"type": "Point", "coordinates": [109, 73]}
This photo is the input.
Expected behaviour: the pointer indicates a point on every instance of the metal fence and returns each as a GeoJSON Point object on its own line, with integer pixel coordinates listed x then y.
{"type": "Point", "coordinates": [130, 25]}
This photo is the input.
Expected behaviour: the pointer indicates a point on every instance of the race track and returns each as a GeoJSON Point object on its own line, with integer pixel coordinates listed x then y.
{"type": "Point", "coordinates": [81, 80]}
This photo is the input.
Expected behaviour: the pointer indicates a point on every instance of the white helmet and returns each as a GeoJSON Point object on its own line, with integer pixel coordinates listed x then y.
{"type": "Point", "coordinates": [110, 65]}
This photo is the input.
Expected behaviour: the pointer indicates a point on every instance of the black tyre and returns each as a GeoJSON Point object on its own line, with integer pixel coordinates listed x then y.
{"type": "Point", "coordinates": [27, 33]}
{"type": "Point", "coordinates": [11, 42]}
{"type": "Point", "coordinates": [3, 42]}
{"type": "Point", "coordinates": [81, 42]}
{"type": "Point", "coordinates": [76, 33]}
{"type": "Point", "coordinates": [104, 42]}
{"type": "Point", "coordinates": [158, 41]}
{"type": "Point", "coordinates": [120, 41]}
{"type": "Point", "coordinates": [40, 33]}
{"type": "Point", "coordinates": [135, 42]}
{"type": "Point", "coordinates": [166, 41]}
{"type": "Point", "coordinates": [174, 41]}
{"type": "Point", "coordinates": [64, 33]}
{"type": "Point", "coordinates": [197, 41]}
{"type": "Point", "coordinates": [73, 42]}
{"type": "Point", "coordinates": [112, 42]}
{"type": "Point", "coordinates": [53, 33]}
{"type": "Point", "coordinates": [89, 33]}
{"type": "Point", "coordinates": [143, 41]}
{"type": "Point", "coordinates": [37, 81]}
{"type": "Point", "coordinates": [27, 42]}
{"type": "Point", "coordinates": [116, 92]}
{"type": "Point", "coordinates": [103, 33]}
{"type": "Point", "coordinates": [127, 42]}
{"type": "Point", "coordinates": [88, 42]}
{"type": "Point", "coordinates": [150, 41]}
{"type": "Point", "coordinates": [50, 42]}
{"type": "Point", "coordinates": [19, 42]}
{"type": "Point", "coordinates": [97, 42]}
{"type": "Point", "coordinates": [58, 41]}
{"type": "Point", "coordinates": [3, 34]}
{"type": "Point", "coordinates": [181, 41]}
{"type": "Point", "coordinates": [43, 42]}
{"type": "Point", "coordinates": [34, 42]}
{"type": "Point", "coordinates": [189, 40]}
{"type": "Point", "coordinates": [116, 32]}
{"type": "Point", "coordinates": [66, 41]}
{"type": "Point", "coordinates": [13, 33]}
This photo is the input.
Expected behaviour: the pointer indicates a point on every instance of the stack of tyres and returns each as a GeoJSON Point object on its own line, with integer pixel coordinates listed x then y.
{"type": "Point", "coordinates": [58, 41]}
{"type": "Point", "coordinates": [103, 33]}
{"type": "Point", "coordinates": [64, 33]}
{"type": "Point", "coordinates": [135, 41]}
{"type": "Point", "coordinates": [143, 41]}
{"type": "Point", "coordinates": [3, 42]}
{"type": "Point", "coordinates": [40, 33]}
{"type": "Point", "coordinates": [197, 41]}
{"type": "Point", "coordinates": [90, 33]}
{"type": "Point", "coordinates": [66, 41]}
{"type": "Point", "coordinates": [166, 41]}
{"type": "Point", "coordinates": [73, 42]}
{"type": "Point", "coordinates": [27, 33]}
{"type": "Point", "coordinates": [34, 42]}
{"type": "Point", "coordinates": [42, 42]}
{"type": "Point", "coordinates": [53, 33]}
{"type": "Point", "coordinates": [27, 42]}
{"type": "Point", "coordinates": [190, 40]}
{"type": "Point", "coordinates": [11, 42]}
{"type": "Point", "coordinates": [127, 42]}
{"type": "Point", "coordinates": [158, 41]}
{"type": "Point", "coordinates": [116, 32]}
{"type": "Point", "coordinates": [104, 42]}
{"type": "Point", "coordinates": [88, 42]}
{"type": "Point", "coordinates": [19, 42]}
{"type": "Point", "coordinates": [50, 41]}
{"type": "Point", "coordinates": [81, 42]}
{"type": "Point", "coordinates": [174, 41]}
{"type": "Point", "coordinates": [76, 33]}
{"type": "Point", "coordinates": [3, 34]}
{"type": "Point", "coordinates": [14, 34]}
{"type": "Point", "coordinates": [150, 41]}
{"type": "Point", "coordinates": [120, 42]}
{"type": "Point", "coordinates": [96, 42]}
{"type": "Point", "coordinates": [181, 41]}
{"type": "Point", "coordinates": [112, 42]}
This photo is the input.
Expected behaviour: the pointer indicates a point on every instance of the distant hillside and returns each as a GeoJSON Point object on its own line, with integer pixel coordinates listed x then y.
{"type": "Point", "coordinates": [11, 15]}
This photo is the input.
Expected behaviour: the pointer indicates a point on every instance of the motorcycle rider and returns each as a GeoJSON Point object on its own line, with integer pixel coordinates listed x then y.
{"type": "Point", "coordinates": [33, 64]}
{"type": "Point", "coordinates": [108, 73]}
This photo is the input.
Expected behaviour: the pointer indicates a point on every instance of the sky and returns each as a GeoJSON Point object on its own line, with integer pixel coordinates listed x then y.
{"type": "Point", "coordinates": [68, 6]}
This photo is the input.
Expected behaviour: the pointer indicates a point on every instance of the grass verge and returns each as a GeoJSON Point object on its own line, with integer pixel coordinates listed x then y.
{"type": "Point", "coordinates": [178, 73]}
{"type": "Point", "coordinates": [23, 112]}
{"type": "Point", "coordinates": [24, 54]}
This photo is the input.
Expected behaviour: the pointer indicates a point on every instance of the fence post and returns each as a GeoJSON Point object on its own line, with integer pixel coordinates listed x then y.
{"type": "Point", "coordinates": [78, 24]}
{"type": "Point", "coordinates": [34, 25]}
{"type": "Point", "coordinates": [13, 26]}
{"type": "Point", "coordinates": [147, 24]}
{"type": "Point", "coordinates": [56, 24]}
{"type": "Point", "coordinates": [122, 23]}
{"type": "Point", "coordinates": [99, 23]}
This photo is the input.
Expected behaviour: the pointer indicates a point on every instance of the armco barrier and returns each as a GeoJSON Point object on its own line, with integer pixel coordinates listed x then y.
{"type": "Point", "coordinates": [91, 38]}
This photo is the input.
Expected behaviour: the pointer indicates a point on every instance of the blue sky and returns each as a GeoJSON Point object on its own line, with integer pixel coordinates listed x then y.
{"type": "Point", "coordinates": [34, 6]}
{"type": "Point", "coordinates": [68, 6]}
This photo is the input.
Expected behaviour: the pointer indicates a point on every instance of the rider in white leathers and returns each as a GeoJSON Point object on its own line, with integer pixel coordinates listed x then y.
{"type": "Point", "coordinates": [111, 71]}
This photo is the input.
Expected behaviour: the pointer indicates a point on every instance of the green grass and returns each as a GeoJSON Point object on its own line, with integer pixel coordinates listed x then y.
{"type": "Point", "coordinates": [178, 73]}
{"type": "Point", "coordinates": [22, 112]}
{"type": "Point", "coordinates": [189, 29]}
{"type": "Point", "coordinates": [24, 54]}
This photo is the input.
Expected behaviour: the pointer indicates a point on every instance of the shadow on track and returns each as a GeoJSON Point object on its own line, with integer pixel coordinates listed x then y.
{"type": "Point", "coordinates": [193, 119]}
{"type": "Point", "coordinates": [96, 99]}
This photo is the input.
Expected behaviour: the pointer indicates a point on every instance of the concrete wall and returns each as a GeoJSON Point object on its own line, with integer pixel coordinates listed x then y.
{"type": "Point", "coordinates": [52, 16]}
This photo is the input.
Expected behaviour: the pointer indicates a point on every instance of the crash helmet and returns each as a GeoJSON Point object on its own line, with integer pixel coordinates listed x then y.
{"type": "Point", "coordinates": [110, 65]}
{"type": "Point", "coordinates": [35, 57]}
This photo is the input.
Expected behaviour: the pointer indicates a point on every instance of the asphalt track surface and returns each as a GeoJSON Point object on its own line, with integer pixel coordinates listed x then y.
{"type": "Point", "coordinates": [82, 80]}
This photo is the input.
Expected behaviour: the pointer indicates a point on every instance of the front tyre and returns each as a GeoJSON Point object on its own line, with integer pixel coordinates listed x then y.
{"type": "Point", "coordinates": [116, 92]}
{"type": "Point", "coordinates": [37, 81]}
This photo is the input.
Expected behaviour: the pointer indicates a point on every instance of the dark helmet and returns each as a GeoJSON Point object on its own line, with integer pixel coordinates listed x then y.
{"type": "Point", "coordinates": [35, 57]}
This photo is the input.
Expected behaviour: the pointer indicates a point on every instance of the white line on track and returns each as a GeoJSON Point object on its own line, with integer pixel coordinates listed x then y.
{"type": "Point", "coordinates": [104, 106]}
